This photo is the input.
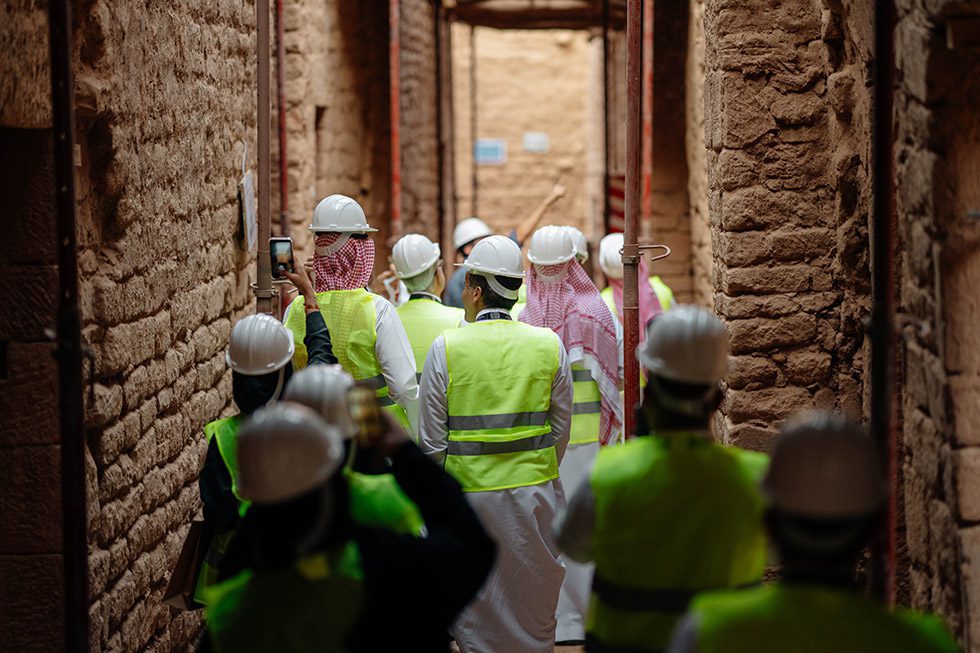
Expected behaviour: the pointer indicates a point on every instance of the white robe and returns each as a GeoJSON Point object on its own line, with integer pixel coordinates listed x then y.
{"type": "Point", "coordinates": [573, 602]}
{"type": "Point", "coordinates": [515, 610]}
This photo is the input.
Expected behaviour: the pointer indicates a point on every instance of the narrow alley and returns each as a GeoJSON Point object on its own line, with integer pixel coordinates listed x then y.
{"type": "Point", "coordinates": [805, 173]}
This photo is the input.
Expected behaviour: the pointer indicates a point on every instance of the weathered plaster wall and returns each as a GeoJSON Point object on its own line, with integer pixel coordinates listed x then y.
{"type": "Point", "coordinates": [937, 172]}
{"type": "Point", "coordinates": [697, 181]}
{"type": "Point", "coordinates": [776, 208]}
{"type": "Point", "coordinates": [527, 81]}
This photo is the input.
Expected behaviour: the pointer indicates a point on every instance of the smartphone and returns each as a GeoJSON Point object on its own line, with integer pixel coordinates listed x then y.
{"type": "Point", "coordinates": [281, 251]}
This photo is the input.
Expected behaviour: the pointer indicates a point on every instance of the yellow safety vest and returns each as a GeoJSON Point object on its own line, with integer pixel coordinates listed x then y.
{"type": "Point", "coordinates": [309, 607]}
{"type": "Point", "coordinates": [350, 318]}
{"type": "Point", "coordinates": [424, 321]}
{"type": "Point", "coordinates": [664, 295]}
{"type": "Point", "coordinates": [224, 432]}
{"type": "Point", "coordinates": [811, 619]}
{"type": "Point", "coordinates": [521, 303]}
{"type": "Point", "coordinates": [586, 407]}
{"type": "Point", "coordinates": [674, 514]}
{"type": "Point", "coordinates": [499, 395]}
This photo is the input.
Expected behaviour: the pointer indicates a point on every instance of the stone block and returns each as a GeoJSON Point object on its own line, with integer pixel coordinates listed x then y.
{"type": "Point", "coordinates": [751, 372]}
{"type": "Point", "coordinates": [800, 244]}
{"type": "Point", "coordinates": [768, 405]}
{"type": "Point", "coordinates": [116, 439]}
{"type": "Point", "coordinates": [918, 493]}
{"type": "Point", "coordinates": [763, 334]}
{"type": "Point", "coordinates": [923, 441]}
{"type": "Point", "coordinates": [31, 602]}
{"type": "Point", "coordinates": [739, 249]}
{"type": "Point", "coordinates": [751, 306]}
{"type": "Point", "coordinates": [761, 280]}
{"type": "Point", "coordinates": [755, 438]}
{"type": "Point", "coordinates": [969, 545]}
{"type": "Point", "coordinates": [964, 391]}
{"type": "Point", "coordinates": [966, 464]}
{"type": "Point", "coordinates": [29, 395]}
{"type": "Point", "coordinates": [30, 504]}
{"type": "Point", "coordinates": [806, 367]}
{"type": "Point", "coordinates": [104, 405]}
{"type": "Point", "coordinates": [750, 207]}
{"type": "Point", "coordinates": [744, 116]}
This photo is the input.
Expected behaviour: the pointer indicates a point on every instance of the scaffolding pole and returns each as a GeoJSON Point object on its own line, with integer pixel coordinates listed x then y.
{"type": "Point", "coordinates": [263, 264]}
{"type": "Point", "coordinates": [631, 252]}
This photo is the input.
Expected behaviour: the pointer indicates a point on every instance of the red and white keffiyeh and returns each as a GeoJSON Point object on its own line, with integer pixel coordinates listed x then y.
{"type": "Point", "coordinates": [348, 267]}
{"type": "Point", "coordinates": [562, 298]}
{"type": "Point", "coordinates": [648, 303]}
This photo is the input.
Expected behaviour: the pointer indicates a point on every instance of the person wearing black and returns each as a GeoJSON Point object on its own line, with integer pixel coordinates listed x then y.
{"type": "Point", "coordinates": [413, 587]}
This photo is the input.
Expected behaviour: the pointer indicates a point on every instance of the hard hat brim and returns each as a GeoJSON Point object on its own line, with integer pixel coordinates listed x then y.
{"type": "Point", "coordinates": [340, 230]}
{"type": "Point", "coordinates": [496, 273]}
{"type": "Point", "coordinates": [539, 261]}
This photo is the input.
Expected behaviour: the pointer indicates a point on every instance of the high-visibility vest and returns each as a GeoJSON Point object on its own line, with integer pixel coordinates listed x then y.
{"type": "Point", "coordinates": [424, 321]}
{"type": "Point", "coordinates": [663, 292]}
{"type": "Point", "coordinates": [350, 317]}
{"type": "Point", "coordinates": [674, 514]}
{"type": "Point", "coordinates": [499, 395]}
{"type": "Point", "coordinates": [224, 432]}
{"type": "Point", "coordinates": [586, 407]}
{"type": "Point", "coordinates": [521, 302]}
{"type": "Point", "coordinates": [309, 607]}
{"type": "Point", "coordinates": [810, 619]}
{"type": "Point", "coordinates": [377, 501]}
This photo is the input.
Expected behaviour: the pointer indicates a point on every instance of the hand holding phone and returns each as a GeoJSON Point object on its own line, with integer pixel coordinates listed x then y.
{"type": "Point", "coordinates": [281, 251]}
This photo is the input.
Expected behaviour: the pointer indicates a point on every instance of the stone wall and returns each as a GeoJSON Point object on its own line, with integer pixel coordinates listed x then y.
{"type": "Point", "coordinates": [31, 567]}
{"type": "Point", "coordinates": [338, 109]}
{"type": "Point", "coordinates": [778, 200]}
{"type": "Point", "coordinates": [938, 136]}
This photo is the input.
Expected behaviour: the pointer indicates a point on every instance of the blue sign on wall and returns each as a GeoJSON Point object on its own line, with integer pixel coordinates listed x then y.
{"type": "Point", "coordinates": [490, 151]}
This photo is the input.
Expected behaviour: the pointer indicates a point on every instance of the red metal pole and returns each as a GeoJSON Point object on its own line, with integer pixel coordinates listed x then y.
{"type": "Point", "coordinates": [647, 160]}
{"type": "Point", "coordinates": [263, 292]}
{"type": "Point", "coordinates": [631, 252]}
{"type": "Point", "coordinates": [281, 105]}
{"type": "Point", "coordinates": [394, 67]}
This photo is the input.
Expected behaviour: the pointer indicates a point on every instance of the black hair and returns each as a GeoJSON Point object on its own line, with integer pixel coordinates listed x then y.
{"type": "Point", "coordinates": [490, 298]}
{"type": "Point", "coordinates": [659, 399]}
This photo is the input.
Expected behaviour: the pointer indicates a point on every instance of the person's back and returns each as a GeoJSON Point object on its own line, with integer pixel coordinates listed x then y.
{"type": "Point", "coordinates": [310, 606]}
{"type": "Point", "coordinates": [674, 514]}
{"type": "Point", "coordinates": [802, 618]}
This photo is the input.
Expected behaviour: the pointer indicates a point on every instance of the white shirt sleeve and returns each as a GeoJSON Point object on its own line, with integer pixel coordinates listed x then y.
{"type": "Point", "coordinates": [433, 404]}
{"type": "Point", "coordinates": [575, 523]}
{"type": "Point", "coordinates": [396, 359]}
{"type": "Point", "coordinates": [560, 413]}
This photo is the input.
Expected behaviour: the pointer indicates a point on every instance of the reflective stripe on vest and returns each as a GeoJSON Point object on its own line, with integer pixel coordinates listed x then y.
{"type": "Point", "coordinates": [285, 610]}
{"type": "Point", "coordinates": [586, 407]}
{"type": "Point", "coordinates": [674, 514]}
{"type": "Point", "coordinates": [424, 321]}
{"type": "Point", "coordinates": [811, 619]}
{"type": "Point", "coordinates": [499, 395]}
{"type": "Point", "coordinates": [350, 317]}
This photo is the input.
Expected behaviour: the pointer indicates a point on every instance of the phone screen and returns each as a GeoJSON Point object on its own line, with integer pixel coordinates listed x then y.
{"type": "Point", "coordinates": [281, 250]}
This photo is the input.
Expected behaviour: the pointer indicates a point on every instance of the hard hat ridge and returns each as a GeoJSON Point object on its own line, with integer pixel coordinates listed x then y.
{"type": "Point", "coordinates": [259, 344]}
{"type": "Point", "coordinates": [688, 345]}
{"type": "Point", "coordinates": [339, 214]}
{"type": "Point", "coordinates": [469, 230]}
{"type": "Point", "coordinates": [496, 256]}
{"type": "Point", "coordinates": [551, 245]}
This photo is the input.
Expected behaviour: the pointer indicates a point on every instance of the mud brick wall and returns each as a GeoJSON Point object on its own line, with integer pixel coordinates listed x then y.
{"type": "Point", "coordinates": [776, 197]}
{"type": "Point", "coordinates": [938, 141]}
{"type": "Point", "coordinates": [697, 181]}
{"type": "Point", "coordinates": [338, 113]}
{"type": "Point", "coordinates": [166, 97]}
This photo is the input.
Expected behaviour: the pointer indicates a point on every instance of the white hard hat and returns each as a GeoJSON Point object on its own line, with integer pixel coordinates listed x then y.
{"type": "Point", "coordinates": [259, 344]}
{"type": "Point", "coordinates": [413, 254]}
{"type": "Point", "coordinates": [284, 451]}
{"type": "Point", "coordinates": [581, 244]}
{"type": "Point", "coordinates": [324, 388]}
{"type": "Point", "coordinates": [339, 214]}
{"type": "Point", "coordinates": [469, 230]}
{"type": "Point", "coordinates": [825, 466]}
{"type": "Point", "coordinates": [496, 256]}
{"type": "Point", "coordinates": [550, 246]}
{"type": "Point", "coordinates": [687, 344]}
{"type": "Point", "coordinates": [610, 260]}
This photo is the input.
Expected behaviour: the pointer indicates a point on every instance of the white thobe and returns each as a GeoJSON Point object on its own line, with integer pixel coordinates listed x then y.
{"type": "Point", "coordinates": [515, 610]}
{"type": "Point", "coordinates": [395, 358]}
{"type": "Point", "coordinates": [573, 602]}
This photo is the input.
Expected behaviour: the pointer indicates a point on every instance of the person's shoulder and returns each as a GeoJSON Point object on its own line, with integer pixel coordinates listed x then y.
{"type": "Point", "coordinates": [929, 629]}
{"type": "Point", "coordinates": [756, 462]}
